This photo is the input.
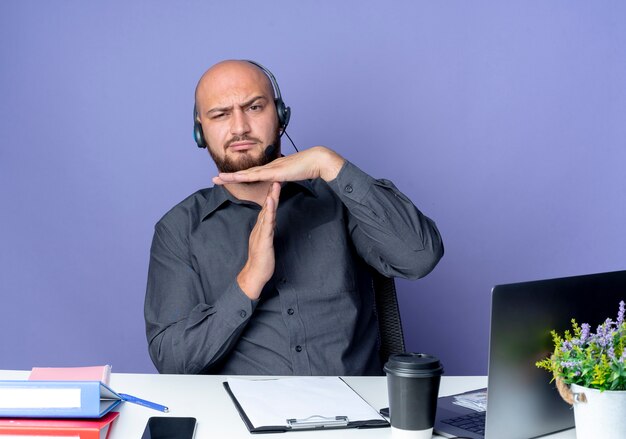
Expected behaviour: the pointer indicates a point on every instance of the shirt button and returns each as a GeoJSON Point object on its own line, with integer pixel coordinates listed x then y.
{"type": "Point", "coordinates": [243, 314]}
{"type": "Point", "coordinates": [348, 188]}
{"type": "Point", "coordinates": [298, 348]}
{"type": "Point", "coordinates": [290, 311]}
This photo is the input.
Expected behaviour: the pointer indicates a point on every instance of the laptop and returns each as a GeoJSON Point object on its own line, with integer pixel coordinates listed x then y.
{"type": "Point", "coordinates": [521, 402]}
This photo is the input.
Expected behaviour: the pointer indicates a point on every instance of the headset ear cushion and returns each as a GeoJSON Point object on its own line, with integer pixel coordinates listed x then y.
{"type": "Point", "coordinates": [198, 135]}
{"type": "Point", "coordinates": [286, 117]}
{"type": "Point", "coordinates": [284, 113]}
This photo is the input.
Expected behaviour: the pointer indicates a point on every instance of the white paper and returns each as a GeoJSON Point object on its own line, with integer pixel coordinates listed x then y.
{"type": "Point", "coordinates": [36, 398]}
{"type": "Point", "coordinates": [475, 401]}
{"type": "Point", "coordinates": [271, 402]}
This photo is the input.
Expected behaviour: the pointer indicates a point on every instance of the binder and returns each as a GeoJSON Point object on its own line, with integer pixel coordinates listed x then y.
{"type": "Point", "coordinates": [301, 403]}
{"type": "Point", "coordinates": [84, 373]}
{"type": "Point", "coordinates": [75, 428]}
{"type": "Point", "coordinates": [56, 399]}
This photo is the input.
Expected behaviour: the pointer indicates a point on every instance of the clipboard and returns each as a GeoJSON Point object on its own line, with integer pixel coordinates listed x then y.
{"type": "Point", "coordinates": [300, 403]}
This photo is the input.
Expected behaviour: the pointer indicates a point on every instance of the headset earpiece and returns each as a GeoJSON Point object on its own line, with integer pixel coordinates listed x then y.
{"type": "Point", "coordinates": [198, 135]}
{"type": "Point", "coordinates": [284, 113]}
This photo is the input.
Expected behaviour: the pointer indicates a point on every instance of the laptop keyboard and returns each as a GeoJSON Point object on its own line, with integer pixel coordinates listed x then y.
{"type": "Point", "coordinates": [474, 422]}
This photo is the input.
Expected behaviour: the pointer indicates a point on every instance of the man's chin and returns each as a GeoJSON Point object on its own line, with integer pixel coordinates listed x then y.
{"type": "Point", "coordinates": [240, 162]}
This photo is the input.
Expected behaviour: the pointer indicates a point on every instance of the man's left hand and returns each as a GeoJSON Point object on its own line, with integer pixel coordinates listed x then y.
{"type": "Point", "coordinates": [315, 162]}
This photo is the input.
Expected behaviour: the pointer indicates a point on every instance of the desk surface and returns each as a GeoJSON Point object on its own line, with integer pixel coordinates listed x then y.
{"type": "Point", "coordinates": [203, 397]}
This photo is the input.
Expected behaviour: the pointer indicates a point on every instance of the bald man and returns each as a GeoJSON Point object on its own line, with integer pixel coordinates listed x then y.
{"type": "Point", "coordinates": [269, 271]}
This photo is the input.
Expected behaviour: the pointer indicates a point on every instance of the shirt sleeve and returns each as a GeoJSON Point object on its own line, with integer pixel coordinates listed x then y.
{"type": "Point", "coordinates": [388, 231]}
{"type": "Point", "coordinates": [186, 334]}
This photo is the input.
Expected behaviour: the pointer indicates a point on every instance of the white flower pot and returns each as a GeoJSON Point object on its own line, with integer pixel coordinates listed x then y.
{"type": "Point", "coordinates": [599, 414]}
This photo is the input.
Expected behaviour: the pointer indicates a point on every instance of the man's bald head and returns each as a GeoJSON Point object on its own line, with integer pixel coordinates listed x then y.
{"type": "Point", "coordinates": [227, 75]}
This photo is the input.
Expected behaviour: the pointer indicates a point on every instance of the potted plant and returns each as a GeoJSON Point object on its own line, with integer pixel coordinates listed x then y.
{"type": "Point", "coordinates": [590, 372]}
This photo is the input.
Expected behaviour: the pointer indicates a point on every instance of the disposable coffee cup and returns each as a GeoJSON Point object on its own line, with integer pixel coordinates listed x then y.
{"type": "Point", "coordinates": [413, 386]}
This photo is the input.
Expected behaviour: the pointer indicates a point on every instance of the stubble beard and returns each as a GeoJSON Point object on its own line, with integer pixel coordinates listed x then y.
{"type": "Point", "coordinates": [245, 160]}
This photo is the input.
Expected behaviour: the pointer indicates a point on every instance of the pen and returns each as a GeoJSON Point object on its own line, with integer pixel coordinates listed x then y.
{"type": "Point", "coordinates": [143, 402]}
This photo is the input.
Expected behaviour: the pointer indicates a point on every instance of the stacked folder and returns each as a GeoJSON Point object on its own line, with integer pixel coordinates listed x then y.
{"type": "Point", "coordinates": [53, 403]}
{"type": "Point", "coordinates": [74, 428]}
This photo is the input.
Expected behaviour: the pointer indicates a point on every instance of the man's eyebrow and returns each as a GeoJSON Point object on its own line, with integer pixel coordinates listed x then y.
{"type": "Point", "coordinates": [245, 104]}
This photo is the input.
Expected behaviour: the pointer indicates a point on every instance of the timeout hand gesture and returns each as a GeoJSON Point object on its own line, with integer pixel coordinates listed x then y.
{"type": "Point", "coordinates": [315, 162]}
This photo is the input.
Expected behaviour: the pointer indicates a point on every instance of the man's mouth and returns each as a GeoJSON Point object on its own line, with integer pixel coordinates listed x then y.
{"type": "Point", "coordinates": [242, 143]}
{"type": "Point", "coordinates": [241, 146]}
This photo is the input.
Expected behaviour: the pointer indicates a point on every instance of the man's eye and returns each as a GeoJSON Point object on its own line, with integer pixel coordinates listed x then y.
{"type": "Point", "coordinates": [218, 115]}
{"type": "Point", "coordinates": [255, 107]}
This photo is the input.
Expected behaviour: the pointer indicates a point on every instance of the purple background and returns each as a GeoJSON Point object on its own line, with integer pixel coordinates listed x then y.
{"type": "Point", "coordinates": [503, 121]}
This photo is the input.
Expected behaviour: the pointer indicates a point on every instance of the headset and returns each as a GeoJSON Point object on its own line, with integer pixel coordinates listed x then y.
{"type": "Point", "coordinates": [283, 112]}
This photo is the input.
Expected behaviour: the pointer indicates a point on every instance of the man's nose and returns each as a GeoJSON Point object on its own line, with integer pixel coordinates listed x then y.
{"type": "Point", "coordinates": [239, 124]}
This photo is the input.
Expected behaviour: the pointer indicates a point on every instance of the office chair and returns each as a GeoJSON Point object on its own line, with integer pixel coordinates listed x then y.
{"type": "Point", "coordinates": [389, 323]}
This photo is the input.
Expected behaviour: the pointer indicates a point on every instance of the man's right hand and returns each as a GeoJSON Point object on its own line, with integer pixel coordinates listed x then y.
{"type": "Point", "coordinates": [261, 261]}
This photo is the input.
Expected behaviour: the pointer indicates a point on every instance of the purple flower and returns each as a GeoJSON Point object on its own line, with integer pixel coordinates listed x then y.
{"type": "Point", "coordinates": [567, 346]}
{"type": "Point", "coordinates": [611, 352]}
{"type": "Point", "coordinates": [604, 334]}
{"type": "Point", "coordinates": [572, 363]}
{"type": "Point", "coordinates": [576, 342]}
{"type": "Point", "coordinates": [584, 334]}
{"type": "Point", "coordinates": [600, 331]}
{"type": "Point", "coordinates": [620, 314]}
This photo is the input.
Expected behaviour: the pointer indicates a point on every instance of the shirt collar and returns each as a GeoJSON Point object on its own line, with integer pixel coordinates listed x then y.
{"type": "Point", "coordinates": [218, 195]}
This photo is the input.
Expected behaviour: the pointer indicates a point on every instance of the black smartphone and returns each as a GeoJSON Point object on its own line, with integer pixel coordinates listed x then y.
{"type": "Point", "coordinates": [169, 427]}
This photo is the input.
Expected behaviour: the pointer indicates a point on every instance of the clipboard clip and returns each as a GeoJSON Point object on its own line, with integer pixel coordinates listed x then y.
{"type": "Point", "coordinates": [317, 421]}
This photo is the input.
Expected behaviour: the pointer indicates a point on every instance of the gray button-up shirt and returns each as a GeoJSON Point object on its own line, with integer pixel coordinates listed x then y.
{"type": "Point", "coordinates": [316, 314]}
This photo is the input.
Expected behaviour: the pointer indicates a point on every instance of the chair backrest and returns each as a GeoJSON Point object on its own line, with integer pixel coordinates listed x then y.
{"type": "Point", "coordinates": [388, 313]}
